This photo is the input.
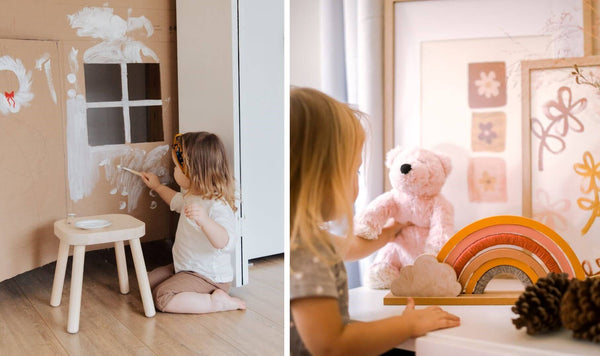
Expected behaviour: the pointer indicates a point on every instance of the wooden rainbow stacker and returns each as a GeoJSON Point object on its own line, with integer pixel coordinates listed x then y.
{"type": "Point", "coordinates": [521, 247]}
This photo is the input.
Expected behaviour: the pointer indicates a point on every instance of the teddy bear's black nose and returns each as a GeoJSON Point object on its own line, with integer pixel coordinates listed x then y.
{"type": "Point", "coordinates": [405, 168]}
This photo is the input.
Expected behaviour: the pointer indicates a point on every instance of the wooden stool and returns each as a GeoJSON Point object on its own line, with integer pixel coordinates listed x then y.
{"type": "Point", "coordinates": [123, 227]}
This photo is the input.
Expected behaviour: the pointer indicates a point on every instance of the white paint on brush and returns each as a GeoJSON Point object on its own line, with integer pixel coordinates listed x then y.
{"type": "Point", "coordinates": [117, 46]}
{"type": "Point", "coordinates": [131, 185]}
{"type": "Point", "coordinates": [12, 101]}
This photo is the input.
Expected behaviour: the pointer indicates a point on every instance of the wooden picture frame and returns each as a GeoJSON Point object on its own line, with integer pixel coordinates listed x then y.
{"type": "Point", "coordinates": [561, 119]}
{"type": "Point", "coordinates": [389, 68]}
{"type": "Point", "coordinates": [404, 103]}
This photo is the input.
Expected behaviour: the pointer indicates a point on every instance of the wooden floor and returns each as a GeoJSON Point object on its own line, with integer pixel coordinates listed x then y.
{"type": "Point", "coordinates": [114, 324]}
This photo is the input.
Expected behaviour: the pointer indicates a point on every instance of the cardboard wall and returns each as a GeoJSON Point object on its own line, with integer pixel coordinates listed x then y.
{"type": "Point", "coordinates": [47, 167]}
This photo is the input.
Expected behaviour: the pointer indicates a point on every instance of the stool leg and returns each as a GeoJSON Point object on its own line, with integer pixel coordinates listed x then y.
{"type": "Point", "coordinates": [76, 284]}
{"type": "Point", "coordinates": [142, 277]}
{"type": "Point", "coordinates": [122, 267]}
{"type": "Point", "coordinates": [59, 273]}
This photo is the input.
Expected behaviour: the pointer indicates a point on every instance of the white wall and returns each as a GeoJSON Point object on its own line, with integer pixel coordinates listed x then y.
{"type": "Point", "coordinates": [305, 43]}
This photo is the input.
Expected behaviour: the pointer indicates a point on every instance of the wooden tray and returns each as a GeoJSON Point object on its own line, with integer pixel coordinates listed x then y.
{"type": "Point", "coordinates": [487, 298]}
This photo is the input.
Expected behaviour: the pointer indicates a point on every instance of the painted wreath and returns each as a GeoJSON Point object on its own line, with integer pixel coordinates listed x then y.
{"type": "Point", "coordinates": [11, 102]}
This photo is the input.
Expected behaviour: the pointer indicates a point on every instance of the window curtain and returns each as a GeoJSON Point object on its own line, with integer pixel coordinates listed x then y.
{"type": "Point", "coordinates": [352, 72]}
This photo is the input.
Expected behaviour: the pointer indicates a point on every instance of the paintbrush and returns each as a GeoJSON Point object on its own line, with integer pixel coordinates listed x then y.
{"type": "Point", "coordinates": [129, 170]}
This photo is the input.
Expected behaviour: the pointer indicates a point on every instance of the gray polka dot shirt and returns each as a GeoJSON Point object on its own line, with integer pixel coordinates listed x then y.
{"type": "Point", "coordinates": [311, 276]}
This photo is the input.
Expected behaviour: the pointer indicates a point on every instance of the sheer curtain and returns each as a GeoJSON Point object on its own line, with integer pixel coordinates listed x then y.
{"type": "Point", "coordinates": [352, 71]}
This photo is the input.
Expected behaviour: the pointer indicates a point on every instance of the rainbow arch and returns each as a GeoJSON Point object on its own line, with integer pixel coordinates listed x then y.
{"type": "Point", "coordinates": [516, 245]}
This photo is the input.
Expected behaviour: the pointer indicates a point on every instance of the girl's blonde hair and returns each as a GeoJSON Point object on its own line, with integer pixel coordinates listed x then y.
{"type": "Point", "coordinates": [326, 138]}
{"type": "Point", "coordinates": [207, 167]}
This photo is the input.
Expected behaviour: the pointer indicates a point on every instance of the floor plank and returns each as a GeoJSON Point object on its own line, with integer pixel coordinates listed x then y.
{"type": "Point", "coordinates": [112, 323]}
{"type": "Point", "coordinates": [22, 329]}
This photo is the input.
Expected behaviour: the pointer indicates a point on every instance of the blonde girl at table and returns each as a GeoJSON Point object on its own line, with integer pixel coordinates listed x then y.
{"type": "Point", "coordinates": [326, 140]}
{"type": "Point", "coordinates": [199, 279]}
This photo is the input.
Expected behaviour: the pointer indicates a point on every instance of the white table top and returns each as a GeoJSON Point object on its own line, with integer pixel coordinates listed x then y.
{"type": "Point", "coordinates": [484, 330]}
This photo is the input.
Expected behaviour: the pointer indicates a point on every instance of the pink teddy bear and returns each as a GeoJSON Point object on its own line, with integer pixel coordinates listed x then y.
{"type": "Point", "coordinates": [417, 176]}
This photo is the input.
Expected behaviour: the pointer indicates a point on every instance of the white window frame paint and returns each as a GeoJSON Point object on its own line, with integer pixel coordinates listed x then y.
{"type": "Point", "coordinates": [124, 103]}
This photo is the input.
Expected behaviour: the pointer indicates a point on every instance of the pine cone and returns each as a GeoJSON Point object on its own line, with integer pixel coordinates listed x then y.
{"type": "Point", "coordinates": [539, 306]}
{"type": "Point", "coordinates": [580, 309]}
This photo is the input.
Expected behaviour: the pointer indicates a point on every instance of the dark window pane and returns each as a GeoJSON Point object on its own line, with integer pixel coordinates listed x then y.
{"type": "Point", "coordinates": [146, 123]}
{"type": "Point", "coordinates": [143, 80]}
{"type": "Point", "coordinates": [105, 126]}
{"type": "Point", "coordinates": [102, 82]}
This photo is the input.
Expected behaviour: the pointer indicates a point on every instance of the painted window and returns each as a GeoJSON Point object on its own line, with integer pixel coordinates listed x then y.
{"type": "Point", "coordinates": [123, 103]}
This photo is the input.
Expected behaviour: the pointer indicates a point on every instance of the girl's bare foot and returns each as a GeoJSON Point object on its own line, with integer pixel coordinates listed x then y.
{"type": "Point", "coordinates": [223, 301]}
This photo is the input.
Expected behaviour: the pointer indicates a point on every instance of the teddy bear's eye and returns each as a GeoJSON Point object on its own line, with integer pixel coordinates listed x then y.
{"type": "Point", "coordinates": [405, 168]}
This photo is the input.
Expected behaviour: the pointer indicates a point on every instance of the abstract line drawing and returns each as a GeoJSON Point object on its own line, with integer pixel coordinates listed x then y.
{"type": "Point", "coordinates": [587, 268]}
{"type": "Point", "coordinates": [590, 171]}
{"type": "Point", "coordinates": [13, 101]}
{"type": "Point", "coordinates": [550, 213]}
{"type": "Point", "coordinates": [561, 113]}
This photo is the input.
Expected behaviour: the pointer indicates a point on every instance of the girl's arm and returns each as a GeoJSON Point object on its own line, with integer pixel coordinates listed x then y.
{"type": "Point", "coordinates": [354, 248]}
{"type": "Point", "coordinates": [217, 235]}
{"type": "Point", "coordinates": [152, 182]}
{"type": "Point", "coordinates": [320, 326]}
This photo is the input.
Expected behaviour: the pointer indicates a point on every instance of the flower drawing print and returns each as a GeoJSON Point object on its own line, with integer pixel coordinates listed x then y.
{"type": "Point", "coordinates": [487, 84]}
{"type": "Point", "coordinates": [488, 131]}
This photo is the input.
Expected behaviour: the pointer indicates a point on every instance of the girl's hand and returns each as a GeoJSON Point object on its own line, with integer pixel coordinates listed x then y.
{"type": "Point", "coordinates": [390, 230]}
{"type": "Point", "coordinates": [197, 213]}
{"type": "Point", "coordinates": [150, 179]}
{"type": "Point", "coordinates": [431, 318]}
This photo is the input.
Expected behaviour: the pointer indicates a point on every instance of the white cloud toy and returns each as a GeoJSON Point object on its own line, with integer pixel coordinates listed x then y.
{"type": "Point", "coordinates": [426, 278]}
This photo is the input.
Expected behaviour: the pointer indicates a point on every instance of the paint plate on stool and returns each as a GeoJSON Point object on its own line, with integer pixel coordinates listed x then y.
{"type": "Point", "coordinates": [91, 224]}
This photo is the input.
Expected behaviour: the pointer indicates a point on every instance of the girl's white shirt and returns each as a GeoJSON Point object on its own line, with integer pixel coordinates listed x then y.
{"type": "Point", "coordinates": [192, 250]}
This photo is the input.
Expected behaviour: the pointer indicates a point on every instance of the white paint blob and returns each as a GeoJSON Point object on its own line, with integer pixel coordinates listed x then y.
{"type": "Point", "coordinates": [117, 44]}
{"type": "Point", "coordinates": [122, 205]}
{"type": "Point", "coordinates": [124, 193]}
{"type": "Point", "coordinates": [152, 193]}
{"type": "Point", "coordinates": [113, 191]}
{"type": "Point", "coordinates": [153, 205]}
{"type": "Point", "coordinates": [12, 101]}
{"type": "Point", "coordinates": [71, 93]}
{"type": "Point", "coordinates": [71, 78]}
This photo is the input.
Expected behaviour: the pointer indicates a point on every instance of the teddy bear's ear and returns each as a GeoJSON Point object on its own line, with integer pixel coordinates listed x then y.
{"type": "Point", "coordinates": [446, 163]}
{"type": "Point", "coordinates": [389, 157]}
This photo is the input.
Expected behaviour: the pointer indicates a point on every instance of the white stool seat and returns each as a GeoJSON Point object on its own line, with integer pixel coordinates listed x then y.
{"type": "Point", "coordinates": [123, 228]}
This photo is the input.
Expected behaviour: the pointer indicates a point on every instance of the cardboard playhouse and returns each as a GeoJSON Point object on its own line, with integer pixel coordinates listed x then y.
{"type": "Point", "coordinates": [82, 90]}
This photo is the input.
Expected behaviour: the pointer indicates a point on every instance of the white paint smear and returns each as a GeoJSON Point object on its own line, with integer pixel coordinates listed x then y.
{"type": "Point", "coordinates": [48, 71]}
{"type": "Point", "coordinates": [83, 173]}
{"type": "Point", "coordinates": [130, 185]}
{"type": "Point", "coordinates": [117, 46]}
{"type": "Point", "coordinates": [122, 205]}
{"type": "Point", "coordinates": [45, 60]}
{"type": "Point", "coordinates": [153, 205]}
{"type": "Point", "coordinates": [41, 60]}
{"type": "Point", "coordinates": [71, 78]}
{"type": "Point", "coordinates": [12, 101]}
